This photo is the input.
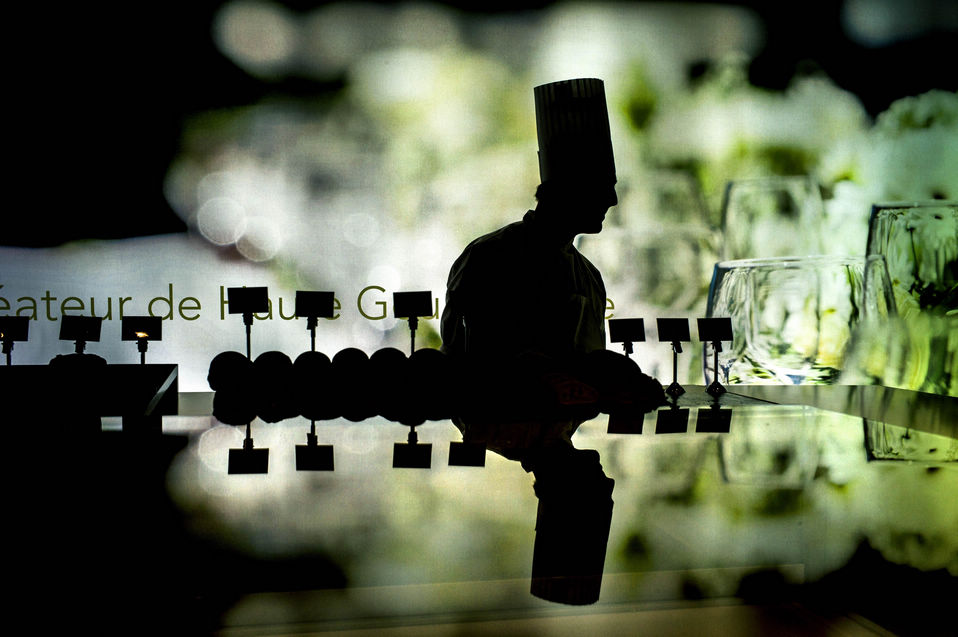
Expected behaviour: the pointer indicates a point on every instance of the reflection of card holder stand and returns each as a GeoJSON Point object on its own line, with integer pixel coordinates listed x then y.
{"type": "Point", "coordinates": [672, 421]}
{"type": "Point", "coordinates": [412, 455]}
{"type": "Point", "coordinates": [314, 457]}
{"type": "Point", "coordinates": [714, 420]}
{"type": "Point", "coordinates": [467, 454]}
{"type": "Point", "coordinates": [248, 461]}
{"type": "Point", "coordinates": [625, 422]}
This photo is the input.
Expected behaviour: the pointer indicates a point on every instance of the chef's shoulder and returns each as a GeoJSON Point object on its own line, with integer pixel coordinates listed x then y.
{"type": "Point", "coordinates": [590, 267]}
{"type": "Point", "coordinates": [495, 246]}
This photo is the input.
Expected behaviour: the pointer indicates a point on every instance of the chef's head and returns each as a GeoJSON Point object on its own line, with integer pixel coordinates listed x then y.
{"type": "Point", "coordinates": [576, 162]}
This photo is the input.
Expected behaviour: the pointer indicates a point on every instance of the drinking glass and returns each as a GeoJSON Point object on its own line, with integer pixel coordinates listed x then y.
{"type": "Point", "coordinates": [918, 352]}
{"type": "Point", "coordinates": [774, 447]}
{"type": "Point", "coordinates": [771, 217]}
{"type": "Point", "coordinates": [919, 241]}
{"type": "Point", "coordinates": [919, 349]}
{"type": "Point", "coordinates": [792, 317]}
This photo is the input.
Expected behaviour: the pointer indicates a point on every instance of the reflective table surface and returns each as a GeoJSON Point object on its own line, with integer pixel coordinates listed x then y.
{"type": "Point", "coordinates": [745, 516]}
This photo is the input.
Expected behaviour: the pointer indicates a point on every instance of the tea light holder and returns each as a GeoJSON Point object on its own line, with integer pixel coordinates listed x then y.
{"type": "Point", "coordinates": [13, 328]}
{"type": "Point", "coordinates": [141, 329]}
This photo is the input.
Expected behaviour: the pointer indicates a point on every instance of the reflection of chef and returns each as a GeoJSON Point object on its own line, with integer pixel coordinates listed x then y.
{"type": "Point", "coordinates": [574, 515]}
{"type": "Point", "coordinates": [572, 525]}
{"type": "Point", "coordinates": [525, 288]}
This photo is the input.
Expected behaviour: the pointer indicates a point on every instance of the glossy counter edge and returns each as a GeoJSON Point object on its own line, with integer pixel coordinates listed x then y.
{"type": "Point", "coordinates": [931, 413]}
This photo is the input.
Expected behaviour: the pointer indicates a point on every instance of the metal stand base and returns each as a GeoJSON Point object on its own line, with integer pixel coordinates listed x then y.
{"type": "Point", "coordinates": [675, 390]}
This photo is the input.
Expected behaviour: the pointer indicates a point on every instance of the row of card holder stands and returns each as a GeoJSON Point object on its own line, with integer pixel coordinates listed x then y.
{"type": "Point", "coordinates": [425, 385]}
{"type": "Point", "coordinates": [428, 385]}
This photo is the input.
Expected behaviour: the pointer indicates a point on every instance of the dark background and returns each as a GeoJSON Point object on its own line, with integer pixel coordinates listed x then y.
{"type": "Point", "coordinates": [98, 96]}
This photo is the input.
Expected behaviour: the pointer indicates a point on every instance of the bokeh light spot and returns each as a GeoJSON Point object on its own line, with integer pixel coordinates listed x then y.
{"type": "Point", "coordinates": [361, 229]}
{"type": "Point", "coordinates": [258, 36]}
{"type": "Point", "coordinates": [261, 241]}
{"type": "Point", "coordinates": [221, 220]}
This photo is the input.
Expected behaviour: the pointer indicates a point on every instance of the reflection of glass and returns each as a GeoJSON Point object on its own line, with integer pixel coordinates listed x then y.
{"type": "Point", "coordinates": [771, 217]}
{"type": "Point", "coordinates": [792, 317]}
{"type": "Point", "coordinates": [675, 270]}
{"type": "Point", "coordinates": [676, 463]}
{"type": "Point", "coordinates": [773, 447]}
{"type": "Point", "coordinates": [890, 442]}
{"type": "Point", "coordinates": [675, 197]}
{"type": "Point", "coordinates": [920, 244]}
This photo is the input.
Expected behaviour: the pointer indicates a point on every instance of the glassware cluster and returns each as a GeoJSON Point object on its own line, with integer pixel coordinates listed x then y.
{"type": "Point", "coordinates": [888, 316]}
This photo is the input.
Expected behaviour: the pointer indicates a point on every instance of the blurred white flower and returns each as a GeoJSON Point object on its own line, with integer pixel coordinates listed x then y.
{"type": "Point", "coordinates": [717, 123]}
{"type": "Point", "coordinates": [592, 39]}
{"type": "Point", "coordinates": [933, 109]}
{"type": "Point", "coordinates": [846, 219]}
{"type": "Point", "coordinates": [910, 154]}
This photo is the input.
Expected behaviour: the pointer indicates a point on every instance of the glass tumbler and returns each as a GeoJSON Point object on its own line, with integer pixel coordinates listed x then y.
{"type": "Point", "coordinates": [792, 317]}
{"type": "Point", "coordinates": [919, 241]}
{"type": "Point", "coordinates": [771, 217]}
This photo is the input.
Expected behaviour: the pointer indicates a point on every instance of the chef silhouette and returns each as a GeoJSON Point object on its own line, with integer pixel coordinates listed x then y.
{"type": "Point", "coordinates": [525, 288]}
